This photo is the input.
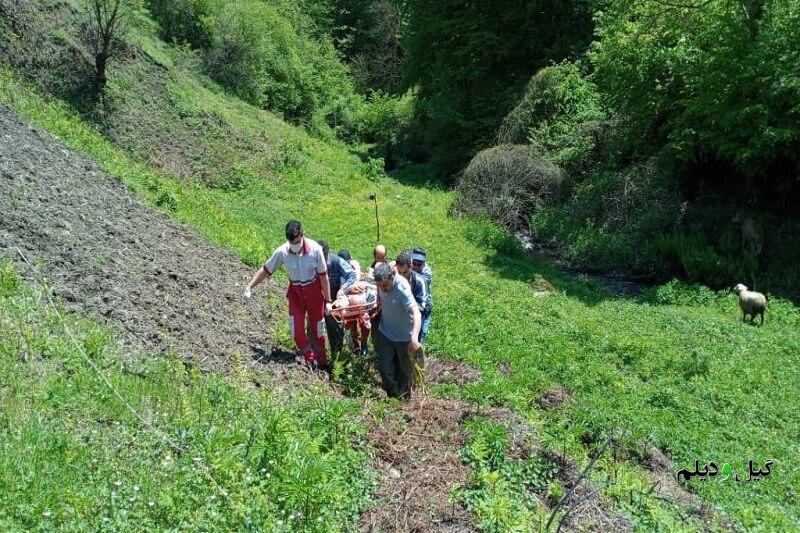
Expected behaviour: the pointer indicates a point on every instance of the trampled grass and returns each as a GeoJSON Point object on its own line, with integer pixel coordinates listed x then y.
{"type": "Point", "coordinates": [674, 368]}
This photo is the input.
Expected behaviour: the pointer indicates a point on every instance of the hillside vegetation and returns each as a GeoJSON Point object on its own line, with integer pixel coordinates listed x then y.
{"type": "Point", "coordinates": [670, 373]}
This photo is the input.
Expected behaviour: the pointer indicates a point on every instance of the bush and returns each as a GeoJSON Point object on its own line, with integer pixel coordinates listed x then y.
{"type": "Point", "coordinates": [559, 115]}
{"type": "Point", "coordinates": [611, 214]}
{"type": "Point", "coordinates": [677, 293]}
{"type": "Point", "coordinates": [181, 21]}
{"type": "Point", "coordinates": [383, 118]}
{"type": "Point", "coordinates": [506, 184]}
{"type": "Point", "coordinates": [255, 51]}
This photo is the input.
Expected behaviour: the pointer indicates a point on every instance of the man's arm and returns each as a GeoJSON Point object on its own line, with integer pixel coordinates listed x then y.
{"type": "Point", "coordinates": [326, 286]}
{"type": "Point", "coordinates": [423, 297]}
{"type": "Point", "coordinates": [258, 277]}
{"type": "Point", "coordinates": [349, 275]}
{"type": "Point", "coordinates": [322, 272]}
{"type": "Point", "coordinates": [271, 266]}
{"type": "Point", "coordinates": [415, 345]}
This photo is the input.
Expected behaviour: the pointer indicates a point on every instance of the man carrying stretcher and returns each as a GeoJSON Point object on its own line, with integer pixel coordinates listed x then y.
{"type": "Point", "coordinates": [309, 290]}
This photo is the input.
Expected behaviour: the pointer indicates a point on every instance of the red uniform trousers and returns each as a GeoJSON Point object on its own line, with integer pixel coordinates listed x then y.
{"type": "Point", "coordinates": [308, 300]}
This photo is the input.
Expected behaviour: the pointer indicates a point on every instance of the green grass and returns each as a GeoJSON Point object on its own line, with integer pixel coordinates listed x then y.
{"type": "Point", "coordinates": [73, 458]}
{"type": "Point", "coordinates": [675, 368]}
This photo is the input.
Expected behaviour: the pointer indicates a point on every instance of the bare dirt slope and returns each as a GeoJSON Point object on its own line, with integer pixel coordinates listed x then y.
{"type": "Point", "coordinates": [108, 255]}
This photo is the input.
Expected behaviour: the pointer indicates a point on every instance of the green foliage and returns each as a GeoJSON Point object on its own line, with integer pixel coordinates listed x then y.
{"type": "Point", "coordinates": [381, 119]}
{"type": "Point", "coordinates": [559, 115]}
{"type": "Point", "coordinates": [353, 372]}
{"type": "Point", "coordinates": [182, 20]}
{"type": "Point", "coordinates": [677, 293]}
{"type": "Point", "coordinates": [256, 52]}
{"type": "Point", "coordinates": [73, 457]}
{"type": "Point", "coordinates": [167, 201]}
{"type": "Point", "coordinates": [610, 217]}
{"type": "Point", "coordinates": [707, 79]}
{"type": "Point", "coordinates": [471, 61]}
{"type": "Point", "coordinates": [502, 493]}
{"type": "Point", "coordinates": [373, 169]}
{"type": "Point", "coordinates": [488, 235]}
{"type": "Point", "coordinates": [612, 354]}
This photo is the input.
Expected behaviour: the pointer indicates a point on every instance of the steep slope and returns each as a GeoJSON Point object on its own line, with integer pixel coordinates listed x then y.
{"type": "Point", "coordinates": [108, 254]}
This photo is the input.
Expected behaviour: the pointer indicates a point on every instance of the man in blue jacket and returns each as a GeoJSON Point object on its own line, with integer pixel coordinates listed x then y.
{"type": "Point", "coordinates": [419, 263]}
{"type": "Point", "coordinates": [340, 275]}
{"type": "Point", "coordinates": [403, 266]}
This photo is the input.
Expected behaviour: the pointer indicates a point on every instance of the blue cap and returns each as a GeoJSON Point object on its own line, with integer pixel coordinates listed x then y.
{"type": "Point", "coordinates": [417, 256]}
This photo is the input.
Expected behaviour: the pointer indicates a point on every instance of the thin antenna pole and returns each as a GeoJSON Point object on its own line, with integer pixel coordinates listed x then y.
{"type": "Point", "coordinates": [377, 220]}
{"type": "Point", "coordinates": [374, 197]}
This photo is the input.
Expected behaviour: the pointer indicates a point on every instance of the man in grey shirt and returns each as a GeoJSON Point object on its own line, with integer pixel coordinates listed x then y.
{"type": "Point", "coordinates": [397, 339]}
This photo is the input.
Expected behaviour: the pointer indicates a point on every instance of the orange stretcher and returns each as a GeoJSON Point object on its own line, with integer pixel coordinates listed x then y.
{"type": "Point", "coordinates": [351, 313]}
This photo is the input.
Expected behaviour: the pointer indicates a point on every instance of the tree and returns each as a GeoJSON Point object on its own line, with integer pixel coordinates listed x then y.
{"type": "Point", "coordinates": [713, 82]}
{"type": "Point", "coordinates": [471, 60]}
{"type": "Point", "coordinates": [107, 22]}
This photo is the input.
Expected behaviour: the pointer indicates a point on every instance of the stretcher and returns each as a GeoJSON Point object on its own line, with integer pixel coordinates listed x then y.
{"type": "Point", "coordinates": [350, 309]}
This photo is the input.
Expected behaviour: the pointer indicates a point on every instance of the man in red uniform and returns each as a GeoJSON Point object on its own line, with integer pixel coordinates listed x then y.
{"type": "Point", "coordinates": [309, 290]}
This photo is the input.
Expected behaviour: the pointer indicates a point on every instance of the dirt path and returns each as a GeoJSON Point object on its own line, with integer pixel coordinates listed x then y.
{"type": "Point", "coordinates": [108, 255]}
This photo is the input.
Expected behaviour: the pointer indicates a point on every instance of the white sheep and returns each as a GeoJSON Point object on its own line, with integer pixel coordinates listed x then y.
{"type": "Point", "coordinates": [752, 303]}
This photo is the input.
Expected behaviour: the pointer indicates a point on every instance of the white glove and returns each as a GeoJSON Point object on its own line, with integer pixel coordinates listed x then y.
{"type": "Point", "coordinates": [247, 294]}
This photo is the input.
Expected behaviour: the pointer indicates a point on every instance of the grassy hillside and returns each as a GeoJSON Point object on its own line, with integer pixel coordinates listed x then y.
{"type": "Point", "coordinates": [219, 454]}
{"type": "Point", "coordinates": [674, 369]}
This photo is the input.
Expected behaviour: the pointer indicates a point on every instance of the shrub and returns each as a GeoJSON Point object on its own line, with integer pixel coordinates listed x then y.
{"type": "Point", "coordinates": [506, 184]}
{"type": "Point", "coordinates": [181, 20]}
{"type": "Point", "coordinates": [559, 115]}
{"type": "Point", "coordinates": [383, 118]}
{"type": "Point", "coordinates": [256, 52]}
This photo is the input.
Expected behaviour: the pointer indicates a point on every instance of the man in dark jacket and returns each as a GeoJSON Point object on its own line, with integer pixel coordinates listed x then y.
{"type": "Point", "coordinates": [341, 275]}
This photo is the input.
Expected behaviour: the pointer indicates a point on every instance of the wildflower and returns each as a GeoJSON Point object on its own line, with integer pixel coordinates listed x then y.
{"type": "Point", "coordinates": [151, 503]}
{"type": "Point", "coordinates": [118, 483]}
{"type": "Point", "coordinates": [47, 513]}
{"type": "Point", "coordinates": [136, 488]}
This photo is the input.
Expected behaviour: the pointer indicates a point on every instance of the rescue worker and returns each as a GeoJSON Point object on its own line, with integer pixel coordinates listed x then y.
{"type": "Point", "coordinates": [419, 263]}
{"type": "Point", "coordinates": [340, 277]}
{"type": "Point", "coordinates": [403, 266]}
{"type": "Point", "coordinates": [354, 264]}
{"type": "Point", "coordinates": [309, 290]}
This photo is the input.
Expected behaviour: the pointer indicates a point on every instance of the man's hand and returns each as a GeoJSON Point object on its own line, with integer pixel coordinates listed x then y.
{"type": "Point", "coordinates": [247, 294]}
{"type": "Point", "coordinates": [328, 307]}
{"type": "Point", "coordinates": [414, 346]}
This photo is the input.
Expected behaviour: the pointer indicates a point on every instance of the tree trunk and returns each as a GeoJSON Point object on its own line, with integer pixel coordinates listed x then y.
{"type": "Point", "coordinates": [100, 61]}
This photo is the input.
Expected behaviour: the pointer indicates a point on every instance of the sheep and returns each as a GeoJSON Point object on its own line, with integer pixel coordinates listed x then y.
{"type": "Point", "coordinates": [752, 303]}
